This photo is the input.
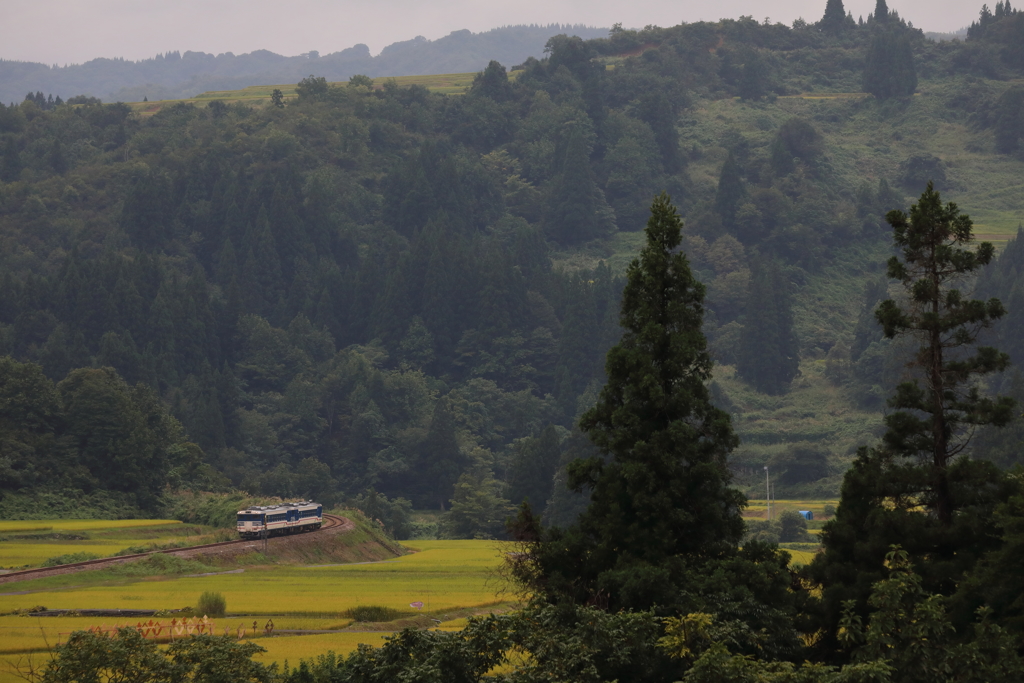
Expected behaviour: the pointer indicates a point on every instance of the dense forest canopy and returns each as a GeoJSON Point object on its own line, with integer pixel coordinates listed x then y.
{"type": "Point", "coordinates": [395, 290]}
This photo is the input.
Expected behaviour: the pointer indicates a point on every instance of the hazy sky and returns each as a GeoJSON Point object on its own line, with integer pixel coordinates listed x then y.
{"type": "Point", "coordinates": [74, 31]}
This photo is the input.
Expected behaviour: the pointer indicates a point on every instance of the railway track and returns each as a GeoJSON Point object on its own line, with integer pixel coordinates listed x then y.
{"type": "Point", "coordinates": [330, 522]}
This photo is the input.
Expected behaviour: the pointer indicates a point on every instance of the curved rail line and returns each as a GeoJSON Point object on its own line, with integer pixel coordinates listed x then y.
{"type": "Point", "coordinates": [330, 522]}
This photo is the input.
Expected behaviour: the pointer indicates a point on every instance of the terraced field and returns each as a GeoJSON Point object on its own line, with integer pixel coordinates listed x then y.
{"type": "Point", "coordinates": [451, 578]}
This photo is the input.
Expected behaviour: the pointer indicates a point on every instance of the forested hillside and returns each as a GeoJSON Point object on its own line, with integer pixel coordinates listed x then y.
{"type": "Point", "coordinates": [175, 75]}
{"type": "Point", "coordinates": [413, 293]}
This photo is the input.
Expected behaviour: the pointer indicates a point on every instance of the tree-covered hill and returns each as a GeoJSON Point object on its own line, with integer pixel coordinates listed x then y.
{"type": "Point", "coordinates": [414, 293]}
{"type": "Point", "coordinates": [175, 75]}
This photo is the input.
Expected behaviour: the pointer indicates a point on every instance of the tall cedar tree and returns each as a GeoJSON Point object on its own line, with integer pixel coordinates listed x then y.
{"type": "Point", "coordinates": [881, 13]}
{"type": "Point", "coordinates": [834, 21]}
{"type": "Point", "coordinates": [575, 200]}
{"type": "Point", "coordinates": [731, 191]}
{"type": "Point", "coordinates": [915, 490]}
{"type": "Point", "coordinates": [660, 496]}
{"type": "Point", "coordinates": [768, 357]}
{"type": "Point", "coordinates": [889, 68]}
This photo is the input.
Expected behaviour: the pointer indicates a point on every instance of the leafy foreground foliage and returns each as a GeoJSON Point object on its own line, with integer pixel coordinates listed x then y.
{"type": "Point", "coordinates": [127, 656]}
{"type": "Point", "coordinates": [907, 639]}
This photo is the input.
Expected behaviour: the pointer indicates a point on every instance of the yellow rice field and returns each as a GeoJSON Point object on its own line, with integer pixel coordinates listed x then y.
{"type": "Point", "coordinates": [757, 508]}
{"type": "Point", "coordinates": [102, 538]}
{"type": "Point", "coordinates": [79, 524]}
{"type": "Point", "coordinates": [444, 575]}
{"type": "Point", "coordinates": [20, 554]}
{"type": "Point", "coordinates": [292, 649]}
{"type": "Point", "coordinates": [447, 576]}
{"type": "Point", "coordinates": [443, 578]}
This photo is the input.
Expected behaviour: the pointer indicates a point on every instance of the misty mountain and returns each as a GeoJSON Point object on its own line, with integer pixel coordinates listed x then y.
{"type": "Point", "coordinates": [174, 75]}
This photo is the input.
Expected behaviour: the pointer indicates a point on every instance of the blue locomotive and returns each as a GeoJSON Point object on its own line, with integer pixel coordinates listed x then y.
{"type": "Point", "coordinates": [277, 520]}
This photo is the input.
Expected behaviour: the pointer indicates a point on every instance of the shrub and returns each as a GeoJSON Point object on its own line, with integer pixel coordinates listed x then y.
{"type": "Point", "coordinates": [160, 564]}
{"type": "Point", "coordinates": [394, 515]}
{"type": "Point", "coordinates": [69, 559]}
{"type": "Point", "coordinates": [211, 604]}
{"type": "Point", "coordinates": [792, 527]}
{"type": "Point", "coordinates": [372, 613]}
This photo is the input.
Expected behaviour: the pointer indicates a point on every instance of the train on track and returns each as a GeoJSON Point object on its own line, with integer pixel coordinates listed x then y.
{"type": "Point", "coordinates": [276, 520]}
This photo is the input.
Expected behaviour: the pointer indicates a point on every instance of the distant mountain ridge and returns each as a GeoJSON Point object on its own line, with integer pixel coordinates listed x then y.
{"type": "Point", "coordinates": [174, 75]}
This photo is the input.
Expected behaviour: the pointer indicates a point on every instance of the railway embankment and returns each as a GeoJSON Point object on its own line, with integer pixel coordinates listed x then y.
{"type": "Point", "coordinates": [341, 540]}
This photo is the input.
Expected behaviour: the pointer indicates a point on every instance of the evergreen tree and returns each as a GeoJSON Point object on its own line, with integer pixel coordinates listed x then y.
{"type": "Point", "coordinates": [768, 356]}
{"type": "Point", "coordinates": [442, 458]}
{"type": "Point", "coordinates": [264, 268]}
{"type": "Point", "coordinates": [660, 115]}
{"type": "Point", "coordinates": [11, 165]}
{"type": "Point", "coordinates": [660, 496]}
{"type": "Point", "coordinates": [577, 346]}
{"type": "Point", "coordinates": [146, 211]}
{"type": "Point", "coordinates": [731, 191]}
{"type": "Point", "coordinates": [576, 206]}
{"type": "Point", "coordinates": [889, 68]}
{"type": "Point", "coordinates": [933, 238]}
{"type": "Point", "coordinates": [754, 79]}
{"type": "Point", "coordinates": [881, 13]}
{"type": "Point", "coordinates": [533, 466]}
{"type": "Point", "coordinates": [834, 21]}
{"type": "Point", "coordinates": [917, 489]}
{"type": "Point", "coordinates": [1009, 120]}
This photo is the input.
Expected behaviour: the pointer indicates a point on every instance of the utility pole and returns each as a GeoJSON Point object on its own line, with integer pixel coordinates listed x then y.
{"type": "Point", "coordinates": [767, 493]}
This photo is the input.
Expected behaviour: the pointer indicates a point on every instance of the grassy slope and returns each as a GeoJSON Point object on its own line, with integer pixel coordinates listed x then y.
{"type": "Point", "coordinates": [865, 140]}
{"type": "Point", "coordinates": [448, 84]}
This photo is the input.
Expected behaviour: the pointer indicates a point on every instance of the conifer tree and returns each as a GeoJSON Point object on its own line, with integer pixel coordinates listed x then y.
{"type": "Point", "coordinates": [660, 495]}
{"type": "Point", "coordinates": [145, 214]}
{"type": "Point", "coordinates": [881, 13]}
{"type": "Point", "coordinates": [532, 470]}
{"type": "Point", "coordinates": [731, 191]}
{"type": "Point", "coordinates": [889, 69]}
{"type": "Point", "coordinates": [265, 267]}
{"type": "Point", "coordinates": [441, 455]}
{"type": "Point", "coordinates": [834, 21]}
{"type": "Point", "coordinates": [933, 421]}
{"type": "Point", "coordinates": [768, 356]}
{"type": "Point", "coordinates": [11, 165]}
{"type": "Point", "coordinates": [574, 212]}
{"type": "Point", "coordinates": [917, 489]}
